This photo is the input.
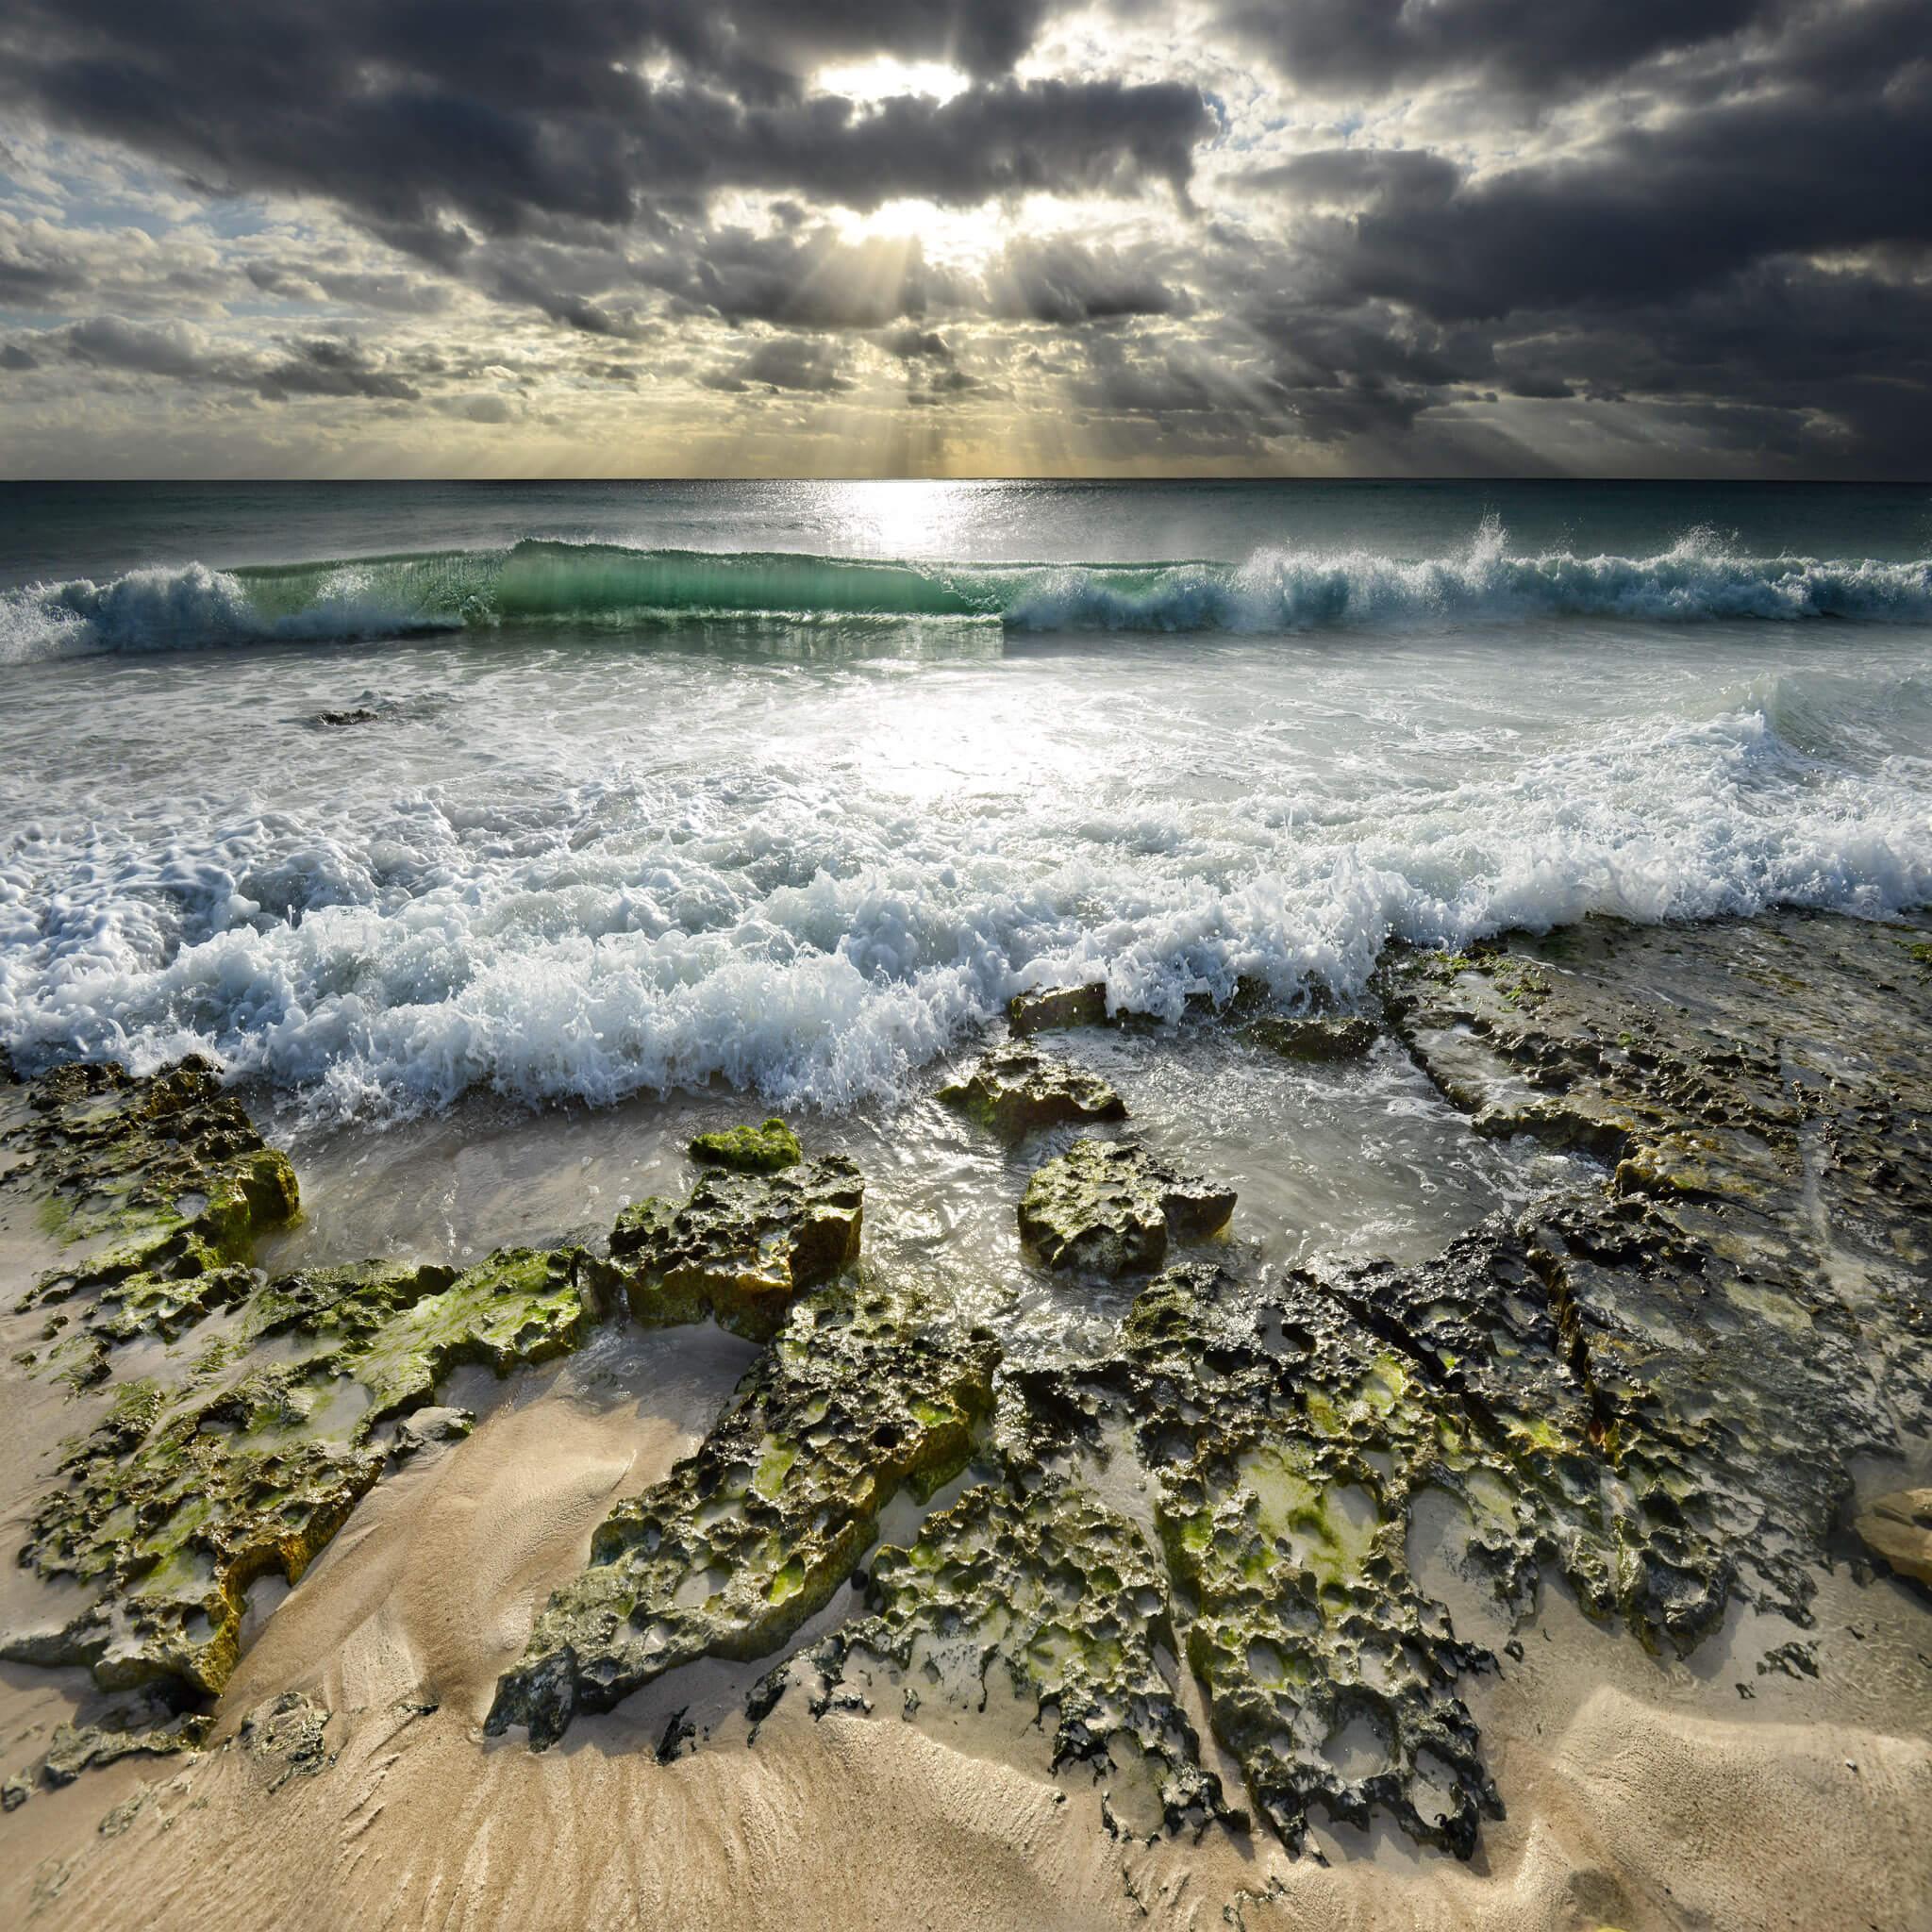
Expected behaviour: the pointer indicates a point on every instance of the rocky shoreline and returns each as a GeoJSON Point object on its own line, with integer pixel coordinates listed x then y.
{"type": "Point", "coordinates": [1207, 1558]}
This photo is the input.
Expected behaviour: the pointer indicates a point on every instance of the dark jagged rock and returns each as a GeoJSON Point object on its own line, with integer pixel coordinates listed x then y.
{"type": "Point", "coordinates": [1057, 1008]}
{"type": "Point", "coordinates": [1898, 1529]}
{"type": "Point", "coordinates": [747, 1537]}
{"type": "Point", "coordinates": [1110, 1208]}
{"type": "Point", "coordinates": [1320, 1039]}
{"type": "Point", "coordinates": [288, 1738]}
{"type": "Point", "coordinates": [1014, 1090]}
{"type": "Point", "coordinates": [768, 1149]}
{"type": "Point", "coordinates": [1032, 1574]}
{"type": "Point", "coordinates": [742, 1249]}
{"type": "Point", "coordinates": [1749, 1301]}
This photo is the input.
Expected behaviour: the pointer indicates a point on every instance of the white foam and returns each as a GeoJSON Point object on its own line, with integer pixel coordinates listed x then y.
{"type": "Point", "coordinates": [770, 903]}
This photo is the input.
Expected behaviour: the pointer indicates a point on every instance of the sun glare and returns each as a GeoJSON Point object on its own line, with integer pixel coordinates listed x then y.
{"type": "Point", "coordinates": [870, 82]}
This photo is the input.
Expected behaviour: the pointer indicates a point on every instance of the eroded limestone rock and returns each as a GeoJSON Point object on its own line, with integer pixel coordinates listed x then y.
{"type": "Point", "coordinates": [159, 1186]}
{"type": "Point", "coordinates": [767, 1149]}
{"type": "Point", "coordinates": [1014, 1090]}
{"type": "Point", "coordinates": [747, 1537]}
{"type": "Point", "coordinates": [1057, 1008]}
{"type": "Point", "coordinates": [1322, 1038]}
{"type": "Point", "coordinates": [1110, 1208]}
{"type": "Point", "coordinates": [742, 1249]}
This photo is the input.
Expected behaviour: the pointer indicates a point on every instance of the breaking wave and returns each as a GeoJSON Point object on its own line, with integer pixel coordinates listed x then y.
{"type": "Point", "coordinates": [1275, 590]}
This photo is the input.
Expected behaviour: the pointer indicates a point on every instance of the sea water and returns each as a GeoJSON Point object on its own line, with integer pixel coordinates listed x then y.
{"type": "Point", "coordinates": [384, 795]}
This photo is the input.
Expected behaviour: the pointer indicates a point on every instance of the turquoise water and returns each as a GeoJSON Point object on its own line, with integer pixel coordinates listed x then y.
{"type": "Point", "coordinates": [380, 792]}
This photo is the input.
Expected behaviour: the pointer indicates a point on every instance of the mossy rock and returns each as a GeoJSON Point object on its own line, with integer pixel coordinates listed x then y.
{"type": "Point", "coordinates": [1110, 1208]}
{"type": "Point", "coordinates": [742, 1248]}
{"type": "Point", "coordinates": [768, 1149]}
{"type": "Point", "coordinates": [1319, 1039]}
{"type": "Point", "coordinates": [860, 1395]}
{"type": "Point", "coordinates": [1015, 1090]}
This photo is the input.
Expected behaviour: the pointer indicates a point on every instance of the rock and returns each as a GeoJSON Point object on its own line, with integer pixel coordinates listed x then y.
{"type": "Point", "coordinates": [1110, 1208]}
{"type": "Point", "coordinates": [16, 1790]}
{"type": "Point", "coordinates": [751, 1535]}
{"type": "Point", "coordinates": [253, 1457]}
{"type": "Point", "coordinates": [287, 1736]}
{"type": "Point", "coordinates": [1321, 1038]}
{"type": "Point", "coordinates": [1748, 1298]}
{"type": "Point", "coordinates": [1031, 1574]}
{"type": "Point", "coordinates": [1898, 1527]}
{"type": "Point", "coordinates": [160, 1185]}
{"type": "Point", "coordinates": [742, 1249]}
{"type": "Point", "coordinates": [1057, 1008]}
{"type": "Point", "coordinates": [1014, 1090]}
{"type": "Point", "coordinates": [124, 1735]}
{"type": "Point", "coordinates": [429, 1426]}
{"type": "Point", "coordinates": [768, 1149]}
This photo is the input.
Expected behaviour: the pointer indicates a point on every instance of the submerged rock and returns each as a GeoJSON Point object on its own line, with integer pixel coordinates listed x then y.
{"type": "Point", "coordinates": [1057, 1008]}
{"type": "Point", "coordinates": [747, 1539]}
{"type": "Point", "coordinates": [1014, 1090]}
{"type": "Point", "coordinates": [1110, 1208]}
{"type": "Point", "coordinates": [742, 1249]}
{"type": "Point", "coordinates": [1320, 1039]}
{"type": "Point", "coordinates": [1899, 1528]}
{"type": "Point", "coordinates": [768, 1149]}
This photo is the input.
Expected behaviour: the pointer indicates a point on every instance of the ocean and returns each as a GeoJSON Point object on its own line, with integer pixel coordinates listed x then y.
{"type": "Point", "coordinates": [383, 795]}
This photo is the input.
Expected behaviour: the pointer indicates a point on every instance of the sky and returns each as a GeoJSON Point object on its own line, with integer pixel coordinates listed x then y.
{"type": "Point", "coordinates": [307, 237]}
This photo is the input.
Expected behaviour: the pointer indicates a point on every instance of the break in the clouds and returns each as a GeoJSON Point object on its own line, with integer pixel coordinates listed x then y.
{"type": "Point", "coordinates": [664, 235]}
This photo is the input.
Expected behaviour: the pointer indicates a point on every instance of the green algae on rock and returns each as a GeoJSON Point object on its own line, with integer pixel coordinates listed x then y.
{"type": "Point", "coordinates": [177, 1501]}
{"type": "Point", "coordinates": [744, 1539]}
{"type": "Point", "coordinates": [160, 1186]}
{"type": "Point", "coordinates": [1318, 1038]}
{"type": "Point", "coordinates": [767, 1149]}
{"type": "Point", "coordinates": [740, 1250]}
{"type": "Point", "coordinates": [1031, 1572]}
{"type": "Point", "coordinates": [1110, 1208]}
{"type": "Point", "coordinates": [1014, 1090]}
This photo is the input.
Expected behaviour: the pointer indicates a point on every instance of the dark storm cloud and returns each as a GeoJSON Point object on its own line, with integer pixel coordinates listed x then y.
{"type": "Point", "coordinates": [1061, 281]}
{"type": "Point", "coordinates": [1541, 46]}
{"type": "Point", "coordinates": [514, 116]}
{"type": "Point", "coordinates": [1678, 261]}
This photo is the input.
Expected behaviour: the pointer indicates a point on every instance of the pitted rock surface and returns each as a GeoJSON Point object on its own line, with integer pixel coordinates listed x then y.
{"type": "Point", "coordinates": [747, 1537]}
{"type": "Point", "coordinates": [742, 1249]}
{"type": "Point", "coordinates": [1032, 1573]}
{"type": "Point", "coordinates": [159, 1186]}
{"type": "Point", "coordinates": [180, 1499]}
{"type": "Point", "coordinates": [767, 1149]}
{"type": "Point", "coordinates": [1013, 1090]}
{"type": "Point", "coordinates": [1110, 1208]}
{"type": "Point", "coordinates": [1750, 1298]}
